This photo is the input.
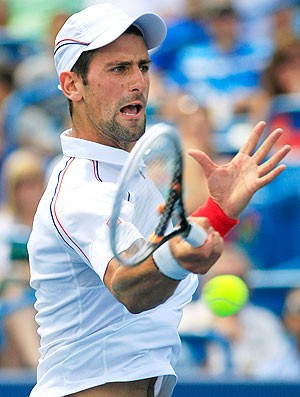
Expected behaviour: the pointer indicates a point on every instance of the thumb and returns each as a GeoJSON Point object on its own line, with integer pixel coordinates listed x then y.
{"type": "Point", "coordinates": [204, 160]}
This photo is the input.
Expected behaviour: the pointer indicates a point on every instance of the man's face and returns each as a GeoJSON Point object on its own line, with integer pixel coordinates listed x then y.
{"type": "Point", "coordinates": [116, 93]}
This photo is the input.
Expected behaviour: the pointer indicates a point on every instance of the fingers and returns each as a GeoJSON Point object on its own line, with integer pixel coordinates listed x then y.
{"type": "Point", "coordinates": [188, 254]}
{"type": "Point", "coordinates": [252, 141]}
{"type": "Point", "coordinates": [203, 159]}
{"type": "Point", "coordinates": [265, 148]}
{"type": "Point", "coordinates": [198, 259]}
{"type": "Point", "coordinates": [201, 221]}
{"type": "Point", "coordinates": [263, 181]}
{"type": "Point", "coordinates": [273, 161]}
{"type": "Point", "coordinates": [213, 237]}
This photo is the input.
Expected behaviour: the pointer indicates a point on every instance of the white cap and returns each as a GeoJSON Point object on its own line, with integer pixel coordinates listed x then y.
{"type": "Point", "coordinates": [99, 25]}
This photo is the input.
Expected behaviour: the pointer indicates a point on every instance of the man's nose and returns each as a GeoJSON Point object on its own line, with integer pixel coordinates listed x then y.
{"type": "Point", "coordinates": [137, 80]}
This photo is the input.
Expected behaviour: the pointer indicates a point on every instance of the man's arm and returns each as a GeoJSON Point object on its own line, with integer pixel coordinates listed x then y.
{"type": "Point", "coordinates": [231, 187]}
{"type": "Point", "coordinates": [144, 286]}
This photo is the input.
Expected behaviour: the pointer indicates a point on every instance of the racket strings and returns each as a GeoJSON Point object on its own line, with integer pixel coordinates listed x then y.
{"type": "Point", "coordinates": [154, 185]}
{"type": "Point", "coordinates": [173, 166]}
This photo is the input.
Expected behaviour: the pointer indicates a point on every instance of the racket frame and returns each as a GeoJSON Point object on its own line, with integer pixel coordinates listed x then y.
{"type": "Point", "coordinates": [173, 203]}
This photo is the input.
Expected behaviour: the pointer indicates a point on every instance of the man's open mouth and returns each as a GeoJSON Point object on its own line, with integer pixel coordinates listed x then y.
{"type": "Point", "coordinates": [132, 109]}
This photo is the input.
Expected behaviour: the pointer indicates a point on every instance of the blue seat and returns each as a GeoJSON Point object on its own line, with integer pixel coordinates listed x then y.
{"type": "Point", "coordinates": [197, 345]}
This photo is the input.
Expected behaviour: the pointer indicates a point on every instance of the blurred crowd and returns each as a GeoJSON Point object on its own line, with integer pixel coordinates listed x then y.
{"type": "Point", "coordinates": [224, 66]}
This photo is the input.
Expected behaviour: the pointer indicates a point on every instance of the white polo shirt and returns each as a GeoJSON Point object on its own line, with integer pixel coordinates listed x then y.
{"type": "Point", "coordinates": [88, 338]}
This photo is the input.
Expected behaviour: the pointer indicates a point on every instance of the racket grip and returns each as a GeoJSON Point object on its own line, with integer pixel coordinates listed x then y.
{"type": "Point", "coordinates": [196, 236]}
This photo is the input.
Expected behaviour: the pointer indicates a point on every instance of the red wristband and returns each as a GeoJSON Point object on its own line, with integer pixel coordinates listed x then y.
{"type": "Point", "coordinates": [217, 217]}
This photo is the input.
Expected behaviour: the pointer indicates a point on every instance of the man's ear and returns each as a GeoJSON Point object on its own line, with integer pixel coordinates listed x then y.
{"type": "Point", "coordinates": [71, 85]}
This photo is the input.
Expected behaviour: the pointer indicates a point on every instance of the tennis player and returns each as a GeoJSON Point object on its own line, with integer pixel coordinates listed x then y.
{"type": "Point", "coordinates": [108, 330]}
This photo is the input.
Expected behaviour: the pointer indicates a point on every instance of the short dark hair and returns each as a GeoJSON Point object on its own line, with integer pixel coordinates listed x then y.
{"type": "Point", "coordinates": [81, 66]}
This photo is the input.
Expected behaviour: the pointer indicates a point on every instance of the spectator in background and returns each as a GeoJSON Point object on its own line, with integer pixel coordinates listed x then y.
{"type": "Point", "coordinates": [291, 315]}
{"type": "Point", "coordinates": [23, 187]}
{"type": "Point", "coordinates": [277, 206]}
{"type": "Point", "coordinates": [259, 345]}
{"type": "Point", "coordinates": [6, 83]}
{"type": "Point", "coordinates": [277, 100]}
{"type": "Point", "coordinates": [186, 29]}
{"type": "Point", "coordinates": [37, 110]}
{"type": "Point", "coordinates": [3, 15]}
{"type": "Point", "coordinates": [223, 71]}
{"type": "Point", "coordinates": [13, 48]}
{"type": "Point", "coordinates": [24, 73]}
{"type": "Point", "coordinates": [282, 81]}
{"type": "Point", "coordinates": [269, 22]}
{"type": "Point", "coordinates": [6, 88]}
{"type": "Point", "coordinates": [281, 87]}
{"type": "Point", "coordinates": [25, 64]}
{"type": "Point", "coordinates": [256, 19]}
{"type": "Point", "coordinates": [285, 22]}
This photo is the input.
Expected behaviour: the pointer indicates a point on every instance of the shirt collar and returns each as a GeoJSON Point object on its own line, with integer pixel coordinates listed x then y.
{"type": "Point", "coordinates": [81, 148]}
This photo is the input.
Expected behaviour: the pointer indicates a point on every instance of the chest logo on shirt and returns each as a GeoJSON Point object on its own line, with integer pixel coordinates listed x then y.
{"type": "Point", "coordinates": [109, 219]}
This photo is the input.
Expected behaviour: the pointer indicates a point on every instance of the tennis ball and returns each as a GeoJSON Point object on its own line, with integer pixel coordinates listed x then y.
{"type": "Point", "coordinates": [225, 295]}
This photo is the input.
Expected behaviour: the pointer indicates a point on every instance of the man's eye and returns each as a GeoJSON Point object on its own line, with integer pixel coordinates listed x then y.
{"type": "Point", "coordinates": [118, 69]}
{"type": "Point", "coordinates": [144, 68]}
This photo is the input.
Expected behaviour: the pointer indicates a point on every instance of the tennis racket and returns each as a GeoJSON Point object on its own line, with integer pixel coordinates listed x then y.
{"type": "Point", "coordinates": [148, 208]}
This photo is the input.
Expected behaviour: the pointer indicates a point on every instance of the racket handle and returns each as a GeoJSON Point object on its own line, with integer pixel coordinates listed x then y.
{"type": "Point", "coordinates": [196, 236]}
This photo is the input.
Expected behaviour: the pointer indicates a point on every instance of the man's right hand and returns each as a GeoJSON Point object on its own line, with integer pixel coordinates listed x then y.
{"type": "Point", "coordinates": [200, 259]}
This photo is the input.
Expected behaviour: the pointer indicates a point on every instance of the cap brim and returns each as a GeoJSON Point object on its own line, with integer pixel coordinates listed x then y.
{"type": "Point", "coordinates": [153, 28]}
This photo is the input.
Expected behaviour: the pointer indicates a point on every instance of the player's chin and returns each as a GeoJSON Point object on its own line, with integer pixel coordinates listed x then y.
{"type": "Point", "coordinates": [136, 127]}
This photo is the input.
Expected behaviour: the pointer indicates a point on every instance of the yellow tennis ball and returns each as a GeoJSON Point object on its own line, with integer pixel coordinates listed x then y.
{"type": "Point", "coordinates": [225, 295]}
